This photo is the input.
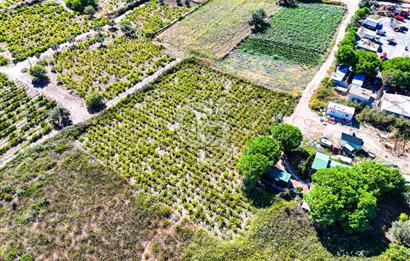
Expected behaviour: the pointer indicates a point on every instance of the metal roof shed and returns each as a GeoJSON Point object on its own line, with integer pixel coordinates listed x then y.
{"type": "Point", "coordinates": [280, 177]}
{"type": "Point", "coordinates": [358, 79]}
{"type": "Point", "coordinates": [354, 142]}
{"type": "Point", "coordinates": [396, 104]}
{"type": "Point", "coordinates": [321, 161]}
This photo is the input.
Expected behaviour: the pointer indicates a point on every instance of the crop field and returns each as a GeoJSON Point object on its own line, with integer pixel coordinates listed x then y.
{"type": "Point", "coordinates": [31, 30]}
{"type": "Point", "coordinates": [109, 6]}
{"type": "Point", "coordinates": [215, 28]}
{"type": "Point", "coordinates": [110, 63]}
{"type": "Point", "coordinates": [111, 69]}
{"type": "Point", "coordinates": [268, 71]}
{"type": "Point", "coordinates": [7, 3]}
{"type": "Point", "coordinates": [152, 16]}
{"type": "Point", "coordinates": [300, 34]}
{"type": "Point", "coordinates": [180, 140]}
{"type": "Point", "coordinates": [23, 118]}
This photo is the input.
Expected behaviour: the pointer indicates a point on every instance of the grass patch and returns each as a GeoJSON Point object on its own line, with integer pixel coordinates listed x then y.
{"type": "Point", "coordinates": [215, 28]}
{"type": "Point", "coordinates": [301, 34]}
{"type": "Point", "coordinates": [181, 138]}
{"type": "Point", "coordinates": [65, 204]}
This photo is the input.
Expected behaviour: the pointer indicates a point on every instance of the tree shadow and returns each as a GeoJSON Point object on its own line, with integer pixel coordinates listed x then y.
{"type": "Point", "coordinates": [40, 82]}
{"type": "Point", "coordinates": [260, 197]}
{"type": "Point", "coordinates": [97, 110]}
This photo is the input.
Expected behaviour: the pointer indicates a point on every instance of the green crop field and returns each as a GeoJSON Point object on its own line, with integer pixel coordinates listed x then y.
{"type": "Point", "coordinates": [301, 34]}
{"type": "Point", "coordinates": [110, 63]}
{"type": "Point", "coordinates": [31, 30]}
{"type": "Point", "coordinates": [23, 119]}
{"type": "Point", "coordinates": [8, 3]}
{"type": "Point", "coordinates": [156, 139]}
{"type": "Point", "coordinates": [215, 28]}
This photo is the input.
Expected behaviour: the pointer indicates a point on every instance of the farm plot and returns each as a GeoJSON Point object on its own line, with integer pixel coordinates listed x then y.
{"type": "Point", "coordinates": [23, 119]}
{"type": "Point", "coordinates": [300, 34]}
{"type": "Point", "coordinates": [180, 140]}
{"type": "Point", "coordinates": [110, 70]}
{"type": "Point", "coordinates": [8, 3]}
{"type": "Point", "coordinates": [215, 28]}
{"type": "Point", "coordinates": [152, 16]}
{"type": "Point", "coordinates": [110, 63]}
{"type": "Point", "coordinates": [268, 71]}
{"type": "Point", "coordinates": [31, 30]}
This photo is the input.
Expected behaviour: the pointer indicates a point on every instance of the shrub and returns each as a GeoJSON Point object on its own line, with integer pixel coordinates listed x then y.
{"type": "Point", "coordinates": [3, 61]}
{"type": "Point", "coordinates": [322, 95]}
{"type": "Point", "coordinates": [80, 5]}
{"type": "Point", "coordinates": [395, 252]}
{"type": "Point", "coordinates": [403, 217]}
{"type": "Point", "coordinates": [289, 136]}
{"type": "Point", "coordinates": [38, 72]}
{"type": "Point", "coordinates": [367, 63]}
{"type": "Point", "coordinates": [253, 167]}
{"type": "Point", "coordinates": [60, 117]}
{"type": "Point", "coordinates": [258, 21]}
{"type": "Point", "coordinates": [401, 231]}
{"type": "Point", "coordinates": [266, 146]}
{"type": "Point", "coordinates": [89, 10]}
{"type": "Point", "coordinates": [94, 101]}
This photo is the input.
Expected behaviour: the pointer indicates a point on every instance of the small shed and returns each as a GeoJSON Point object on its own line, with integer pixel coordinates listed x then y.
{"type": "Point", "coordinates": [372, 24]}
{"type": "Point", "coordinates": [351, 143]}
{"type": "Point", "coordinates": [321, 161]}
{"type": "Point", "coordinates": [339, 78]}
{"type": "Point", "coordinates": [340, 111]}
{"type": "Point", "coordinates": [361, 95]}
{"type": "Point", "coordinates": [280, 177]}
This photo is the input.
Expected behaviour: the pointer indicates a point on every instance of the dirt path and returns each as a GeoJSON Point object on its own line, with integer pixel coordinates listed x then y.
{"type": "Point", "coordinates": [309, 121]}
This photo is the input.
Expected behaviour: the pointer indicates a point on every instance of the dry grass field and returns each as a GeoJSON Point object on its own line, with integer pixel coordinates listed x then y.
{"type": "Point", "coordinates": [215, 28]}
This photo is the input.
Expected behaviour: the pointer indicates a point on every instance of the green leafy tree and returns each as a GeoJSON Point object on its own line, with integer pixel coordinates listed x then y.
{"type": "Point", "coordinates": [340, 198]}
{"type": "Point", "coordinates": [289, 136]}
{"type": "Point", "coordinates": [60, 117]}
{"type": "Point", "coordinates": [38, 72]}
{"type": "Point", "coordinates": [266, 146]}
{"type": "Point", "coordinates": [253, 167]}
{"type": "Point", "coordinates": [398, 70]}
{"type": "Point", "coordinates": [346, 55]}
{"type": "Point", "coordinates": [367, 63]}
{"type": "Point", "coordinates": [95, 102]}
{"type": "Point", "coordinates": [79, 5]}
{"type": "Point", "coordinates": [380, 179]}
{"type": "Point", "coordinates": [257, 21]}
{"type": "Point", "coordinates": [401, 231]}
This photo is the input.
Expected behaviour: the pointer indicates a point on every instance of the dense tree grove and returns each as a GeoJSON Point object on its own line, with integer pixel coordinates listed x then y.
{"type": "Point", "coordinates": [348, 196]}
{"type": "Point", "coordinates": [367, 62]}
{"type": "Point", "coordinates": [397, 70]}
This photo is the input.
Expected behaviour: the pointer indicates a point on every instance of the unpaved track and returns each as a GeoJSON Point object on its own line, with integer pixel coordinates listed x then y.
{"type": "Point", "coordinates": [309, 121]}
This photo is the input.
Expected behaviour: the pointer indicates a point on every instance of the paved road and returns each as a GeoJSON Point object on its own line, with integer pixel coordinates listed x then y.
{"type": "Point", "coordinates": [309, 121]}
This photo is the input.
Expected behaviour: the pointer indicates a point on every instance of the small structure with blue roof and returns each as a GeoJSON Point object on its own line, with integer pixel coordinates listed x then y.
{"type": "Point", "coordinates": [323, 161]}
{"type": "Point", "coordinates": [339, 78]}
{"type": "Point", "coordinates": [280, 177]}
{"type": "Point", "coordinates": [351, 143]}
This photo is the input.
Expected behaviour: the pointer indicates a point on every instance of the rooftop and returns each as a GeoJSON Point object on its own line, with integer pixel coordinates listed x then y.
{"type": "Point", "coordinates": [352, 140]}
{"type": "Point", "coordinates": [397, 104]}
{"type": "Point", "coordinates": [321, 161]}
{"type": "Point", "coordinates": [341, 108]}
{"type": "Point", "coordinates": [358, 91]}
{"type": "Point", "coordinates": [279, 174]}
{"type": "Point", "coordinates": [358, 79]}
{"type": "Point", "coordinates": [340, 73]}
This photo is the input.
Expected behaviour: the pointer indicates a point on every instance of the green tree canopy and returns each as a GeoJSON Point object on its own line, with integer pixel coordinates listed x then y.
{"type": "Point", "coordinates": [266, 146]}
{"type": "Point", "coordinates": [79, 5]}
{"type": "Point", "coordinates": [289, 136]}
{"type": "Point", "coordinates": [346, 55]}
{"type": "Point", "coordinates": [38, 72]}
{"type": "Point", "coordinates": [94, 101]}
{"type": "Point", "coordinates": [338, 197]}
{"type": "Point", "coordinates": [253, 167]}
{"type": "Point", "coordinates": [397, 71]}
{"type": "Point", "coordinates": [348, 196]}
{"type": "Point", "coordinates": [367, 63]}
{"type": "Point", "coordinates": [258, 21]}
{"type": "Point", "coordinates": [381, 179]}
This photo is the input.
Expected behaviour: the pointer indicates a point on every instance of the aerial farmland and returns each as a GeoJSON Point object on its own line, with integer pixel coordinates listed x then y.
{"type": "Point", "coordinates": [204, 130]}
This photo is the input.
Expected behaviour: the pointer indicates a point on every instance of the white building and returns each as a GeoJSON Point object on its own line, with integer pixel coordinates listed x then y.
{"type": "Point", "coordinates": [339, 111]}
{"type": "Point", "coordinates": [396, 104]}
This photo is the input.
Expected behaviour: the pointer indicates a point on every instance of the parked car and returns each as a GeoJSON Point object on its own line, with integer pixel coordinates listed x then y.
{"type": "Point", "coordinates": [381, 32]}
{"type": "Point", "coordinates": [392, 41]}
{"type": "Point", "coordinates": [383, 56]}
{"type": "Point", "coordinates": [326, 143]}
{"type": "Point", "coordinates": [399, 18]}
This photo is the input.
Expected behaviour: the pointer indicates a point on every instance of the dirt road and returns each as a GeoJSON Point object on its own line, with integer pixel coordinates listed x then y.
{"type": "Point", "coordinates": [309, 121]}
